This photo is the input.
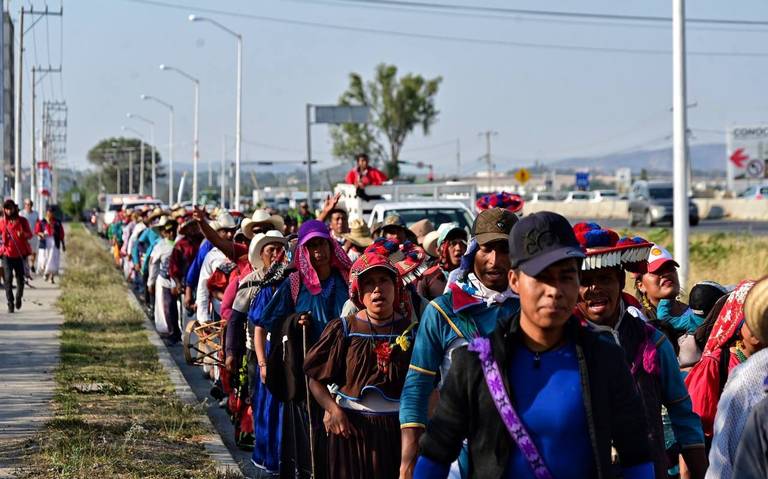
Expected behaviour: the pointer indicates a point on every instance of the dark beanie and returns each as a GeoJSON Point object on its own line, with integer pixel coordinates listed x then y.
{"type": "Point", "coordinates": [704, 295]}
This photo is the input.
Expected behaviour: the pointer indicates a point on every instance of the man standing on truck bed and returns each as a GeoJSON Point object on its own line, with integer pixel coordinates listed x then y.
{"type": "Point", "coordinates": [363, 175]}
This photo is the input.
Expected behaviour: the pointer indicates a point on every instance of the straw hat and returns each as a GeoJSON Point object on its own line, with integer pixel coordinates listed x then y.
{"type": "Point", "coordinates": [756, 310]}
{"type": "Point", "coordinates": [156, 213]}
{"type": "Point", "coordinates": [359, 234]}
{"type": "Point", "coordinates": [259, 242]}
{"type": "Point", "coordinates": [224, 221]}
{"type": "Point", "coordinates": [430, 243]}
{"type": "Point", "coordinates": [161, 224]}
{"type": "Point", "coordinates": [421, 228]}
{"type": "Point", "coordinates": [261, 216]}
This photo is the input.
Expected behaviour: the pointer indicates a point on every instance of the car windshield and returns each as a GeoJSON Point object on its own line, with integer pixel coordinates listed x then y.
{"type": "Point", "coordinates": [608, 194]}
{"type": "Point", "coordinates": [115, 207]}
{"type": "Point", "coordinates": [660, 192]}
{"type": "Point", "coordinates": [580, 196]}
{"type": "Point", "coordinates": [437, 216]}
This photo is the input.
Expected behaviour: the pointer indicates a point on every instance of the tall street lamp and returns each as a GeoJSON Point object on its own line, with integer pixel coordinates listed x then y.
{"type": "Point", "coordinates": [170, 142]}
{"type": "Point", "coordinates": [195, 143]}
{"type": "Point", "coordinates": [152, 148]}
{"type": "Point", "coordinates": [238, 112]}
{"type": "Point", "coordinates": [141, 160]}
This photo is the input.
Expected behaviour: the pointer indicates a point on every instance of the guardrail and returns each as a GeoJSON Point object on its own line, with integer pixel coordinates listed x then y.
{"type": "Point", "coordinates": [709, 208]}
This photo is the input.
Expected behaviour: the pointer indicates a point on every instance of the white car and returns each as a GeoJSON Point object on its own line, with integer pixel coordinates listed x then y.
{"type": "Point", "coordinates": [438, 212]}
{"type": "Point", "coordinates": [604, 195]}
{"type": "Point", "coordinates": [757, 192]}
{"type": "Point", "coordinates": [577, 196]}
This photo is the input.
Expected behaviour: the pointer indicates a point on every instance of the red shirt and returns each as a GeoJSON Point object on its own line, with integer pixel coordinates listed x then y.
{"type": "Point", "coordinates": [182, 256]}
{"type": "Point", "coordinates": [371, 177]}
{"type": "Point", "coordinates": [15, 235]}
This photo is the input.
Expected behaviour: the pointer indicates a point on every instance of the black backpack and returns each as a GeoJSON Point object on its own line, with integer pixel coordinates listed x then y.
{"type": "Point", "coordinates": [285, 362]}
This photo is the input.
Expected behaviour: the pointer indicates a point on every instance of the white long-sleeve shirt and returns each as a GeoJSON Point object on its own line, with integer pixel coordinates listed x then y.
{"type": "Point", "coordinates": [158, 260]}
{"type": "Point", "coordinates": [212, 260]}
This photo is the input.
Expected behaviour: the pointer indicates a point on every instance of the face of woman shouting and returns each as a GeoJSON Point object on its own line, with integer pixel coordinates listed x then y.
{"type": "Point", "coordinates": [377, 290]}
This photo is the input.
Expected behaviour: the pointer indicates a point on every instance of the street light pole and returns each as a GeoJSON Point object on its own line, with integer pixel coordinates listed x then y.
{"type": "Point", "coordinates": [170, 142]}
{"type": "Point", "coordinates": [679, 126]}
{"type": "Point", "coordinates": [195, 142]}
{"type": "Point", "coordinates": [309, 156]}
{"type": "Point", "coordinates": [239, 100]}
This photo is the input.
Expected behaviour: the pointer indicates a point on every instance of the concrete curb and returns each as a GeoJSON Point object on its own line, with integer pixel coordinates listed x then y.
{"type": "Point", "coordinates": [213, 444]}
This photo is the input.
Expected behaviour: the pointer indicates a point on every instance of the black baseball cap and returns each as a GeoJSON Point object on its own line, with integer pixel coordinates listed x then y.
{"type": "Point", "coordinates": [540, 240]}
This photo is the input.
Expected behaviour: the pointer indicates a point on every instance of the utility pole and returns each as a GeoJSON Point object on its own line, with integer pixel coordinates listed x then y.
{"type": "Point", "coordinates": [679, 141]}
{"type": "Point", "coordinates": [488, 134]}
{"type": "Point", "coordinates": [19, 91]}
{"type": "Point", "coordinates": [33, 143]}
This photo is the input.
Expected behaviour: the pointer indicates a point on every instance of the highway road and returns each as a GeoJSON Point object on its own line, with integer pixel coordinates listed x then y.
{"type": "Point", "coordinates": [706, 226]}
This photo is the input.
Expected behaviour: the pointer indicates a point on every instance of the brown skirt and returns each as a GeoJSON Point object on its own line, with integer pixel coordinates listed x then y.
{"type": "Point", "coordinates": [372, 453]}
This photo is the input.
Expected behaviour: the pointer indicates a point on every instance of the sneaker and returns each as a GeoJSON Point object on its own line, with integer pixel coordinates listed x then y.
{"type": "Point", "coordinates": [18, 303]}
{"type": "Point", "coordinates": [10, 307]}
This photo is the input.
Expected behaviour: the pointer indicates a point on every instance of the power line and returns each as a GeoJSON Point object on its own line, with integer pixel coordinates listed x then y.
{"type": "Point", "coordinates": [450, 38]}
{"type": "Point", "coordinates": [552, 13]}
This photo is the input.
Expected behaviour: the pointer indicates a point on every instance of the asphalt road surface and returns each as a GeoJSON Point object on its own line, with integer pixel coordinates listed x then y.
{"type": "Point", "coordinates": [705, 226]}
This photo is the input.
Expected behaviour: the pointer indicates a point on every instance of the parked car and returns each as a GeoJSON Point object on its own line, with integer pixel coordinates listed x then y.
{"type": "Point", "coordinates": [603, 195]}
{"type": "Point", "coordinates": [756, 192]}
{"type": "Point", "coordinates": [577, 196]}
{"type": "Point", "coordinates": [650, 203]}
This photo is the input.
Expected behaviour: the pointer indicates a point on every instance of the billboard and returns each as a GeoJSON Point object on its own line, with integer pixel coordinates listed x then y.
{"type": "Point", "coordinates": [747, 153]}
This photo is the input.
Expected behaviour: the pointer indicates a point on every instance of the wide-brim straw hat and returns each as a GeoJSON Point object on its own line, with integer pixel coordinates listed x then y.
{"type": "Point", "coordinates": [430, 243]}
{"type": "Point", "coordinates": [260, 241]}
{"type": "Point", "coordinates": [421, 228]}
{"type": "Point", "coordinates": [261, 217]}
{"type": "Point", "coordinates": [359, 233]}
{"type": "Point", "coordinates": [224, 221]}
{"type": "Point", "coordinates": [156, 213]}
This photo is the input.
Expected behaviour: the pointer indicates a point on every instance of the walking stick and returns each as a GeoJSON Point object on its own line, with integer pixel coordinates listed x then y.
{"type": "Point", "coordinates": [309, 408]}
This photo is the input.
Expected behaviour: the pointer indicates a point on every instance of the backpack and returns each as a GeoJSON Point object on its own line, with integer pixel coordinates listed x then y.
{"type": "Point", "coordinates": [285, 362]}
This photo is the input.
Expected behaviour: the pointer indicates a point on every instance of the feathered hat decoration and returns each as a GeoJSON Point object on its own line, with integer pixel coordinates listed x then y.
{"type": "Point", "coordinates": [604, 248]}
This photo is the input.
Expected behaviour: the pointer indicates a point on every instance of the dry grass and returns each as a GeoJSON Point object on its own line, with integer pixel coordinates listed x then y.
{"type": "Point", "coordinates": [723, 257]}
{"type": "Point", "coordinates": [115, 414]}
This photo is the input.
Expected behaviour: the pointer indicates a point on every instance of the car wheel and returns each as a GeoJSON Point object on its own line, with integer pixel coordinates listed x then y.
{"type": "Point", "coordinates": [632, 221]}
{"type": "Point", "coordinates": [648, 219]}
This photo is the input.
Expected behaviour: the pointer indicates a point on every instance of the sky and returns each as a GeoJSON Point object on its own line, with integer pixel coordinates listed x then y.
{"type": "Point", "coordinates": [544, 103]}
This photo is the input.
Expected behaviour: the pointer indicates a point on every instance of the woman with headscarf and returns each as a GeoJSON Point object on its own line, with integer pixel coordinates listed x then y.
{"type": "Point", "coordinates": [451, 246]}
{"type": "Point", "coordinates": [307, 301]}
{"type": "Point", "coordinates": [51, 235]}
{"type": "Point", "coordinates": [364, 358]}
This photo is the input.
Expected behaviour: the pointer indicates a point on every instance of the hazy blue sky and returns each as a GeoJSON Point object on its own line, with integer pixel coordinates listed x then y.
{"type": "Point", "coordinates": [545, 103]}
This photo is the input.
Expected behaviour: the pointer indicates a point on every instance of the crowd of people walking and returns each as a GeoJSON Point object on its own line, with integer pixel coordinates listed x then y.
{"type": "Point", "coordinates": [513, 349]}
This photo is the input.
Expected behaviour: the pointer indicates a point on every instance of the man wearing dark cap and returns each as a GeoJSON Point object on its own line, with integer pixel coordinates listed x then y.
{"type": "Point", "coordinates": [471, 307]}
{"type": "Point", "coordinates": [542, 396]}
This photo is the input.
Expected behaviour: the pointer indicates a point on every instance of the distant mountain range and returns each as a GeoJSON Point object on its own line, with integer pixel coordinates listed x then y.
{"type": "Point", "coordinates": [704, 157]}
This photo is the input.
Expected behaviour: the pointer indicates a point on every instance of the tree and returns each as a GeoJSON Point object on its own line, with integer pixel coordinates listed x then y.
{"type": "Point", "coordinates": [110, 153]}
{"type": "Point", "coordinates": [398, 106]}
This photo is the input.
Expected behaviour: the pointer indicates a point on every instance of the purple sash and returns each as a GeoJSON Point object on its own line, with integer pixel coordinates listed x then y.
{"type": "Point", "coordinates": [512, 421]}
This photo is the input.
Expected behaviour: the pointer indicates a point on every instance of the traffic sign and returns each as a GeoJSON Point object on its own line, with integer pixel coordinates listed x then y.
{"type": "Point", "coordinates": [582, 180]}
{"type": "Point", "coordinates": [522, 176]}
{"type": "Point", "coordinates": [756, 168]}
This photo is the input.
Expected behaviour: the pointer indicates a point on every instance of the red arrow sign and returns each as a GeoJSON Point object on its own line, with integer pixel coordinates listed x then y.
{"type": "Point", "coordinates": [738, 157]}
